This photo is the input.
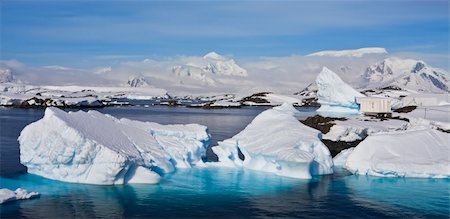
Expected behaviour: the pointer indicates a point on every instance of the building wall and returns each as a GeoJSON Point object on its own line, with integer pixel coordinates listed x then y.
{"type": "Point", "coordinates": [375, 105]}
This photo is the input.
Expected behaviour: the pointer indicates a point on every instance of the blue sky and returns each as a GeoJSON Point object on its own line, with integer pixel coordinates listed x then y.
{"type": "Point", "coordinates": [88, 33]}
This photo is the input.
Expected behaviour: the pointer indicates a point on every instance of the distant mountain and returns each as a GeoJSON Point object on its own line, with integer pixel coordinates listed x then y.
{"type": "Point", "coordinates": [407, 74]}
{"type": "Point", "coordinates": [209, 66]}
{"type": "Point", "coordinates": [350, 53]}
{"type": "Point", "coordinates": [6, 76]}
{"type": "Point", "coordinates": [137, 81]}
{"type": "Point", "coordinates": [308, 91]}
{"type": "Point", "coordinates": [220, 65]}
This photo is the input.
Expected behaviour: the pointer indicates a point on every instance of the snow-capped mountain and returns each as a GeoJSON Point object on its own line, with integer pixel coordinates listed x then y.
{"type": "Point", "coordinates": [6, 76]}
{"type": "Point", "coordinates": [209, 66]}
{"type": "Point", "coordinates": [407, 74]}
{"type": "Point", "coordinates": [137, 81]}
{"type": "Point", "coordinates": [350, 53]}
{"type": "Point", "coordinates": [220, 65]}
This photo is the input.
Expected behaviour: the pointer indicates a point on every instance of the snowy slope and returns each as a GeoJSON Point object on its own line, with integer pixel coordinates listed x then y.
{"type": "Point", "coordinates": [357, 128]}
{"type": "Point", "coordinates": [350, 53]}
{"type": "Point", "coordinates": [407, 74]}
{"type": "Point", "coordinates": [95, 148]}
{"type": "Point", "coordinates": [334, 94]}
{"type": "Point", "coordinates": [275, 141]}
{"type": "Point", "coordinates": [418, 152]}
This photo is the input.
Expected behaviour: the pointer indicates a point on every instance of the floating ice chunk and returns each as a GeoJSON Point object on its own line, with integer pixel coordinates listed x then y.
{"type": "Point", "coordinates": [7, 195]}
{"type": "Point", "coordinates": [412, 153]}
{"type": "Point", "coordinates": [275, 141]}
{"type": "Point", "coordinates": [95, 148]}
{"type": "Point", "coordinates": [334, 94]}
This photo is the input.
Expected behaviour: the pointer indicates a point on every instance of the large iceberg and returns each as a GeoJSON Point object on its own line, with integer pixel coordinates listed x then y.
{"type": "Point", "coordinates": [419, 152]}
{"type": "Point", "coordinates": [95, 148]}
{"type": "Point", "coordinates": [334, 95]}
{"type": "Point", "coordinates": [275, 141]}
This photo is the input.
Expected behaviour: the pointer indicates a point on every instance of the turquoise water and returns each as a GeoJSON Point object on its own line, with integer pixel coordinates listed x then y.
{"type": "Point", "coordinates": [213, 192]}
{"type": "Point", "coordinates": [230, 193]}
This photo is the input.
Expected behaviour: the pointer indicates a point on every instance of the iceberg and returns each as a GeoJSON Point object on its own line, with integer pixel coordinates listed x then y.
{"type": "Point", "coordinates": [418, 152]}
{"type": "Point", "coordinates": [95, 148]}
{"type": "Point", "coordinates": [334, 95]}
{"type": "Point", "coordinates": [7, 195]}
{"type": "Point", "coordinates": [275, 141]}
{"type": "Point", "coordinates": [340, 159]}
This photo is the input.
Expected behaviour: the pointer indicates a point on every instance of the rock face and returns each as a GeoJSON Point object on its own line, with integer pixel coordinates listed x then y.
{"type": "Point", "coordinates": [406, 74]}
{"type": "Point", "coordinates": [95, 148]}
{"type": "Point", "coordinates": [275, 141]}
{"type": "Point", "coordinates": [420, 152]}
{"type": "Point", "coordinates": [334, 94]}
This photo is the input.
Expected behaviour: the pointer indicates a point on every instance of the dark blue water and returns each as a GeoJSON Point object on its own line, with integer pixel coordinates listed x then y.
{"type": "Point", "coordinates": [213, 192]}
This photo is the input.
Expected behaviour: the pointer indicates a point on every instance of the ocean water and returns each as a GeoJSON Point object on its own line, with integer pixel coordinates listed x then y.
{"type": "Point", "coordinates": [213, 192]}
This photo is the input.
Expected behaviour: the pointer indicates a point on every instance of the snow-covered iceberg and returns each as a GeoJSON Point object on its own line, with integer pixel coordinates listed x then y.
{"type": "Point", "coordinates": [95, 148]}
{"type": "Point", "coordinates": [7, 195]}
{"type": "Point", "coordinates": [340, 159]}
{"type": "Point", "coordinates": [275, 141]}
{"type": "Point", "coordinates": [417, 152]}
{"type": "Point", "coordinates": [334, 94]}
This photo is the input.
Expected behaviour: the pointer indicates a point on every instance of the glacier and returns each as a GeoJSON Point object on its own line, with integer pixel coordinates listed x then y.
{"type": "Point", "coordinates": [416, 152]}
{"type": "Point", "coordinates": [95, 148]}
{"type": "Point", "coordinates": [356, 53]}
{"type": "Point", "coordinates": [334, 95]}
{"type": "Point", "coordinates": [7, 195]}
{"type": "Point", "coordinates": [275, 141]}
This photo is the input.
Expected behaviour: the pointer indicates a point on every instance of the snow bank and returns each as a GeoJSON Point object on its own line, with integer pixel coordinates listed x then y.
{"type": "Point", "coordinates": [7, 195]}
{"type": "Point", "coordinates": [340, 159]}
{"type": "Point", "coordinates": [410, 153]}
{"type": "Point", "coordinates": [95, 148]}
{"type": "Point", "coordinates": [334, 94]}
{"type": "Point", "coordinates": [357, 128]}
{"type": "Point", "coordinates": [275, 141]}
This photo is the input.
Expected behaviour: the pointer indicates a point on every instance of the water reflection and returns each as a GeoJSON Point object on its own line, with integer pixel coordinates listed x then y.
{"type": "Point", "coordinates": [431, 196]}
{"type": "Point", "coordinates": [233, 193]}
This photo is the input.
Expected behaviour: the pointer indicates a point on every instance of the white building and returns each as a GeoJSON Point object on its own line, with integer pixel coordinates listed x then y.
{"type": "Point", "coordinates": [379, 106]}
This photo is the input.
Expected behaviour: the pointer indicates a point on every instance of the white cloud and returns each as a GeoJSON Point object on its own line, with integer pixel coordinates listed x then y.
{"type": "Point", "coordinates": [280, 74]}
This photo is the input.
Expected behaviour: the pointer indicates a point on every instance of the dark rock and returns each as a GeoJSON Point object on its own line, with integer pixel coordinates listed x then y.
{"type": "Point", "coordinates": [323, 124]}
{"type": "Point", "coordinates": [310, 102]}
{"type": "Point", "coordinates": [173, 103]}
{"type": "Point", "coordinates": [392, 87]}
{"type": "Point", "coordinates": [336, 147]}
{"type": "Point", "coordinates": [255, 98]}
{"type": "Point", "coordinates": [405, 109]}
